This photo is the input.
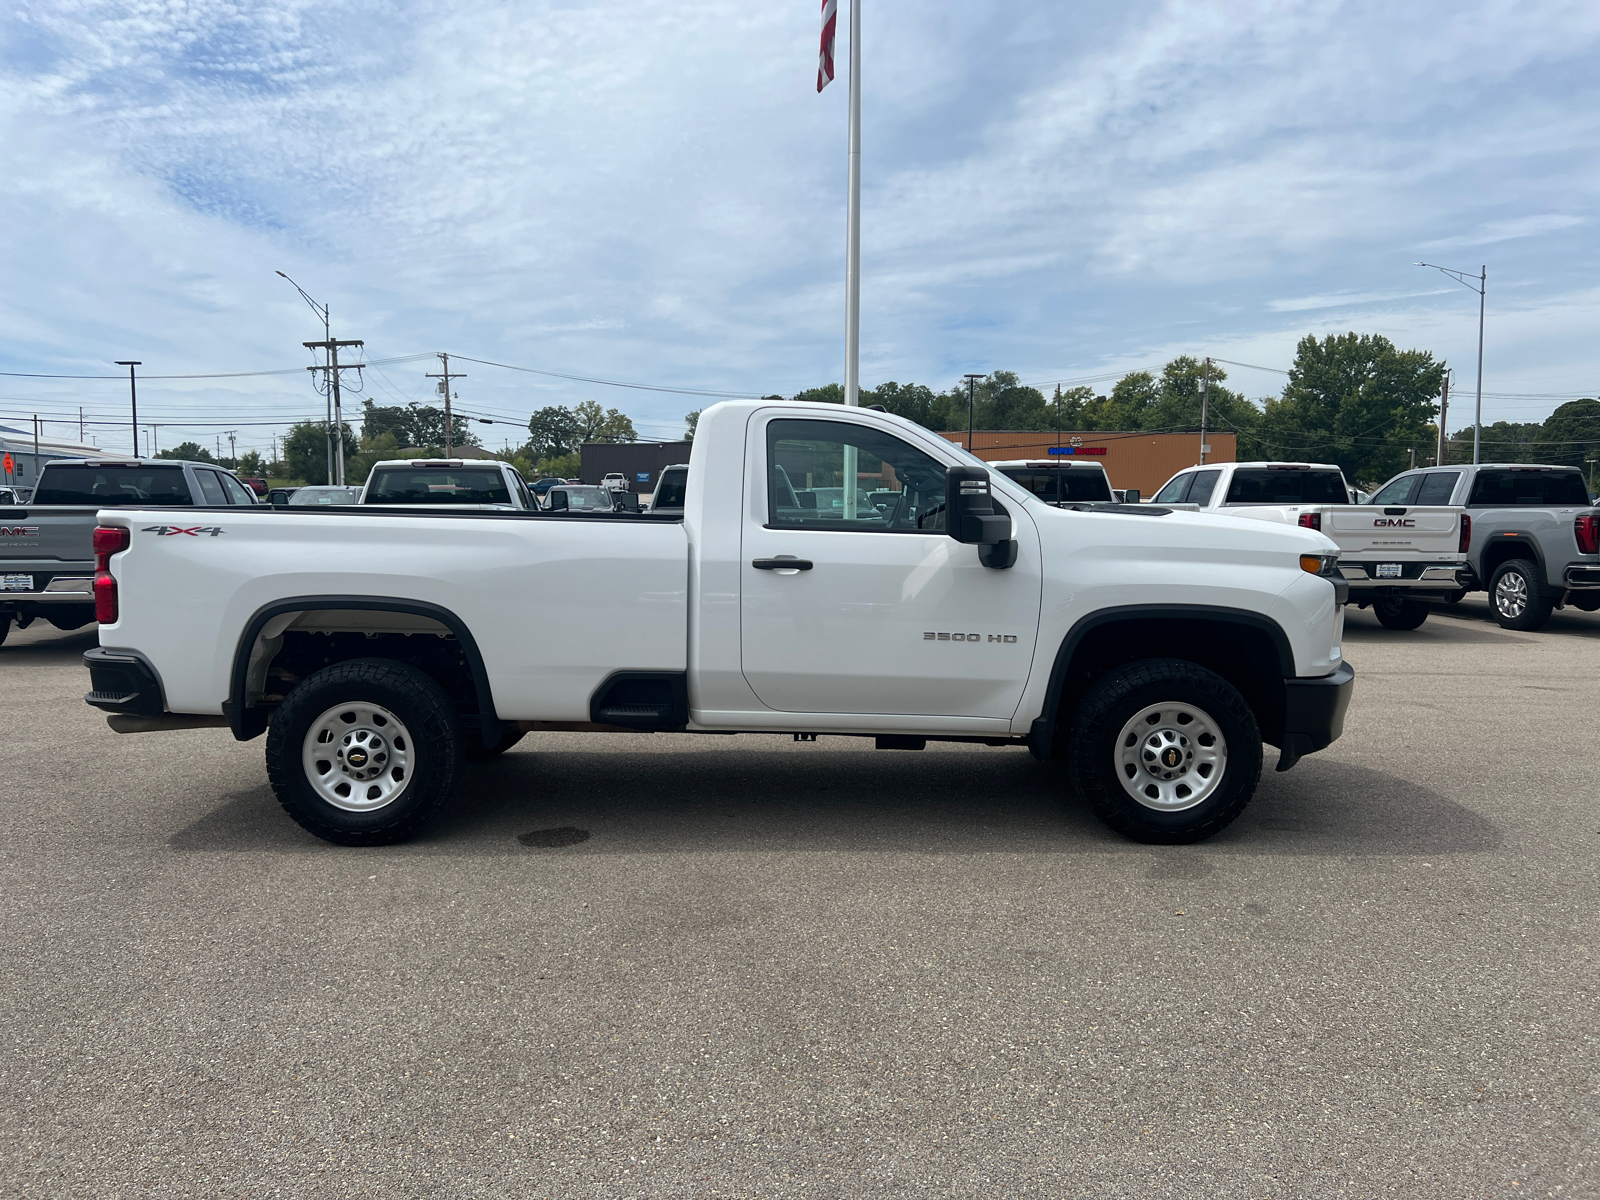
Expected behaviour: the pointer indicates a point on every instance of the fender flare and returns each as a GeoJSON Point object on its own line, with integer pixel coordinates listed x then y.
{"type": "Point", "coordinates": [1042, 732]}
{"type": "Point", "coordinates": [248, 723]}
{"type": "Point", "coordinates": [1519, 538]}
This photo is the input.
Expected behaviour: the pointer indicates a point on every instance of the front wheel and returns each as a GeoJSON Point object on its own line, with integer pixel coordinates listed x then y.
{"type": "Point", "coordinates": [362, 753]}
{"type": "Point", "coordinates": [1519, 597]}
{"type": "Point", "coordinates": [1164, 751]}
{"type": "Point", "coordinates": [1396, 612]}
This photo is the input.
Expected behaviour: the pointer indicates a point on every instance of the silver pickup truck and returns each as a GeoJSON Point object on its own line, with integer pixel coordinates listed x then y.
{"type": "Point", "coordinates": [1535, 542]}
{"type": "Point", "coordinates": [47, 545]}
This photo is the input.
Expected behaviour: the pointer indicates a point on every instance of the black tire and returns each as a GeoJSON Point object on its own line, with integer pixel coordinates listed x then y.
{"type": "Point", "coordinates": [1396, 612]}
{"type": "Point", "coordinates": [476, 751]}
{"type": "Point", "coordinates": [5, 627]}
{"type": "Point", "coordinates": [1518, 596]}
{"type": "Point", "coordinates": [1098, 742]}
{"type": "Point", "coordinates": [411, 785]}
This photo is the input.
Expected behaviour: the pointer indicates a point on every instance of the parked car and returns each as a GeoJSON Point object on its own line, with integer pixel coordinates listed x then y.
{"type": "Point", "coordinates": [478, 483]}
{"type": "Point", "coordinates": [13, 495]}
{"type": "Point", "coordinates": [544, 483]}
{"type": "Point", "coordinates": [616, 481]}
{"type": "Point", "coordinates": [1060, 483]}
{"type": "Point", "coordinates": [580, 498]}
{"type": "Point", "coordinates": [279, 496]}
{"type": "Point", "coordinates": [322, 494]}
{"type": "Point", "coordinates": [1535, 534]}
{"type": "Point", "coordinates": [47, 555]}
{"type": "Point", "coordinates": [1149, 651]}
{"type": "Point", "coordinates": [1396, 557]}
{"type": "Point", "coordinates": [256, 484]}
{"type": "Point", "coordinates": [668, 496]}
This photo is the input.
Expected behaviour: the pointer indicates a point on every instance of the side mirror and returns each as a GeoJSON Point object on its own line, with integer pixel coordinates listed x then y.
{"type": "Point", "coordinates": [280, 499]}
{"type": "Point", "coordinates": [627, 502]}
{"type": "Point", "coordinates": [558, 501]}
{"type": "Point", "coordinates": [971, 519]}
{"type": "Point", "coordinates": [1130, 496]}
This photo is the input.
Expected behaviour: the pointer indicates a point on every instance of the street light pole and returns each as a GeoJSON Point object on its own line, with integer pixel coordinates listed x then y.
{"type": "Point", "coordinates": [133, 398]}
{"type": "Point", "coordinates": [1474, 283]}
{"type": "Point", "coordinates": [972, 383]}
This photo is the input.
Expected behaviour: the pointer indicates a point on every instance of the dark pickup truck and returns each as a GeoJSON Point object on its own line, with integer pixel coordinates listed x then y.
{"type": "Point", "coordinates": [47, 561]}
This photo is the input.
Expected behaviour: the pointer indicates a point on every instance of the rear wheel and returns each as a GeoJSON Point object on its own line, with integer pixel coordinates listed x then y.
{"type": "Point", "coordinates": [1164, 751]}
{"type": "Point", "coordinates": [1519, 597]}
{"type": "Point", "coordinates": [362, 753]}
{"type": "Point", "coordinates": [1396, 612]}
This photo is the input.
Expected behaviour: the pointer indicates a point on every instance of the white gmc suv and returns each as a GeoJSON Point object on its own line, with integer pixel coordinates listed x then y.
{"type": "Point", "coordinates": [834, 571]}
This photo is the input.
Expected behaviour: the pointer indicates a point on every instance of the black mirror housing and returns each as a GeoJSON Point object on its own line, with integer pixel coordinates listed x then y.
{"type": "Point", "coordinates": [1131, 496]}
{"type": "Point", "coordinates": [971, 519]}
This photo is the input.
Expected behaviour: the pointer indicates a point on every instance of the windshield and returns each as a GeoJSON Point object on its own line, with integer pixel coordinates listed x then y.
{"type": "Point", "coordinates": [108, 487]}
{"type": "Point", "coordinates": [325, 495]}
{"type": "Point", "coordinates": [586, 499]}
{"type": "Point", "coordinates": [1278, 485]}
{"type": "Point", "coordinates": [438, 485]}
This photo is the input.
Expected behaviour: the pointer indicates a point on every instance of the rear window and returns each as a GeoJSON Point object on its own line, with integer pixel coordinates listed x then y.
{"type": "Point", "coordinates": [1063, 485]}
{"type": "Point", "coordinates": [438, 485]}
{"type": "Point", "coordinates": [669, 492]}
{"type": "Point", "coordinates": [1270, 486]}
{"type": "Point", "coordinates": [108, 487]}
{"type": "Point", "coordinates": [1511, 489]}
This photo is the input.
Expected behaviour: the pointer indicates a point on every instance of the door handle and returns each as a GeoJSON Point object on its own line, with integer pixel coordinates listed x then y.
{"type": "Point", "coordinates": [781, 564]}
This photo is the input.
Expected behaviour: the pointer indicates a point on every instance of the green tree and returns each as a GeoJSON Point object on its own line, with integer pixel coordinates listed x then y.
{"type": "Point", "coordinates": [596, 424]}
{"type": "Point", "coordinates": [828, 393]}
{"type": "Point", "coordinates": [187, 452]}
{"type": "Point", "coordinates": [374, 449]}
{"type": "Point", "coordinates": [691, 423]}
{"type": "Point", "coordinates": [252, 464]}
{"type": "Point", "coordinates": [420, 425]}
{"type": "Point", "coordinates": [305, 450]}
{"type": "Point", "coordinates": [1570, 436]}
{"type": "Point", "coordinates": [552, 431]}
{"type": "Point", "coordinates": [1355, 400]}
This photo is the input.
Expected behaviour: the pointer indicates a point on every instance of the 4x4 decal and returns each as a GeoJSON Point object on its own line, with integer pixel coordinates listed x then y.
{"type": "Point", "coordinates": [174, 530]}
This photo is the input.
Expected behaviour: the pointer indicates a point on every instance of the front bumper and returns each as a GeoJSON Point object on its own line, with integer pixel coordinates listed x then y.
{"type": "Point", "coordinates": [1313, 713]}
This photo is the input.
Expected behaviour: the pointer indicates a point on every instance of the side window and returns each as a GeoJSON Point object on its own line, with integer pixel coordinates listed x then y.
{"type": "Point", "coordinates": [1205, 482]}
{"type": "Point", "coordinates": [211, 487]}
{"type": "Point", "coordinates": [1398, 491]}
{"type": "Point", "coordinates": [838, 475]}
{"type": "Point", "coordinates": [1085, 487]}
{"type": "Point", "coordinates": [237, 492]}
{"type": "Point", "coordinates": [1436, 488]}
{"type": "Point", "coordinates": [1175, 490]}
{"type": "Point", "coordinates": [522, 493]}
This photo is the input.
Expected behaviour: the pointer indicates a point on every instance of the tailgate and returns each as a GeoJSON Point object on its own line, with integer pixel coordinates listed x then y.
{"type": "Point", "coordinates": [1394, 533]}
{"type": "Point", "coordinates": [45, 541]}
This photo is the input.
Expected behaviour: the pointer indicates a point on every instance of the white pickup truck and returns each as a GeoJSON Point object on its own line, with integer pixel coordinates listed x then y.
{"type": "Point", "coordinates": [1396, 557]}
{"type": "Point", "coordinates": [1149, 652]}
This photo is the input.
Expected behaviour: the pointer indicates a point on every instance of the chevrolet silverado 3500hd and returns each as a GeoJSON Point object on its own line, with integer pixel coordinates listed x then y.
{"type": "Point", "coordinates": [1148, 652]}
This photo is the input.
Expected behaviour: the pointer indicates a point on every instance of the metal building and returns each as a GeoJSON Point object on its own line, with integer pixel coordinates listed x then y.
{"type": "Point", "coordinates": [1133, 460]}
{"type": "Point", "coordinates": [639, 462]}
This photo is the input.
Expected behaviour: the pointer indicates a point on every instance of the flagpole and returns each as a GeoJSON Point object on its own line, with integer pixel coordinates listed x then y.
{"type": "Point", "coordinates": [852, 252]}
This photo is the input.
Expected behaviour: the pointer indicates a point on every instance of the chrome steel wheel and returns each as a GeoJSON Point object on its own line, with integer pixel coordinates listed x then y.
{"type": "Point", "coordinates": [1171, 756]}
{"type": "Point", "coordinates": [1511, 595]}
{"type": "Point", "coordinates": [357, 756]}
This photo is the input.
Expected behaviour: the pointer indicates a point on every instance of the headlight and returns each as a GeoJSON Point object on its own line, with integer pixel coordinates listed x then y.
{"type": "Point", "coordinates": [1325, 565]}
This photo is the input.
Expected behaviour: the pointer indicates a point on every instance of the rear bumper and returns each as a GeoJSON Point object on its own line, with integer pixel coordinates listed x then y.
{"type": "Point", "coordinates": [49, 588]}
{"type": "Point", "coordinates": [1583, 577]}
{"type": "Point", "coordinates": [1313, 713]}
{"type": "Point", "coordinates": [1364, 574]}
{"type": "Point", "coordinates": [122, 682]}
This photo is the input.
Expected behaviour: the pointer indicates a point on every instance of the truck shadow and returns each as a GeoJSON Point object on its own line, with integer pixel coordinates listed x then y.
{"type": "Point", "coordinates": [997, 801]}
{"type": "Point", "coordinates": [43, 643]}
{"type": "Point", "coordinates": [1473, 613]}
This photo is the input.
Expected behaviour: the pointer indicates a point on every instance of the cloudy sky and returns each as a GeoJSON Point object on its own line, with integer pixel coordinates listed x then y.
{"type": "Point", "coordinates": [654, 193]}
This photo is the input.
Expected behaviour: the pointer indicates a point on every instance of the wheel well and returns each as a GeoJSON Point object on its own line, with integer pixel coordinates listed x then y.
{"type": "Point", "coordinates": [1501, 550]}
{"type": "Point", "coordinates": [287, 641]}
{"type": "Point", "coordinates": [1246, 654]}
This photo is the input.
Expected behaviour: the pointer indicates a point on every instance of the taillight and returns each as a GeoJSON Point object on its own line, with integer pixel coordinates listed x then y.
{"type": "Point", "coordinates": [108, 540]}
{"type": "Point", "coordinates": [1587, 529]}
{"type": "Point", "coordinates": [1311, 520]}
{"type": "Point", "coordinates": [1466, 533]}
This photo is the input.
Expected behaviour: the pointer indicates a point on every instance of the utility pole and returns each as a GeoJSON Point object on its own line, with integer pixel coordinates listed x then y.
{"type": "Point", "coordinates": [1058, 414]}
{"type": "Point", "coordinates": [80, 424]}
{"type": "Point", "coordinates": [1444, 410]}
{"type": "Point", "coordinates": [133, 398]}
{"type": "Point", "coordinates": [154, 448]}
{"type": "Point", "coordinates": [233, 450]}
{"type": "Point", "coordinates": [36, 449]}
{"type": "Point", "coordinates": [444, 386]}
{"type": "Point", "coordinates": [1205, 411]}
{"type": "Point", "coordinates": [336, 418]}
{"type": "Point", "coordinates": [972, 384]}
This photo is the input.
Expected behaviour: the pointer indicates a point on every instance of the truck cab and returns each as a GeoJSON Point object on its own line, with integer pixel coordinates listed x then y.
{"type": "Point", "coordinates": [459, 483]}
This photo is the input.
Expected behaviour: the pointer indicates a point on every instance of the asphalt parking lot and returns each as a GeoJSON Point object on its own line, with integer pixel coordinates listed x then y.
{"type": "Point", "coordinates": [818, 970]}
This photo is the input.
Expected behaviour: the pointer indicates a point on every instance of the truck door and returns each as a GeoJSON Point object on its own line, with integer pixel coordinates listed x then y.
{"type": "Point", "coordinates": [891, 616]}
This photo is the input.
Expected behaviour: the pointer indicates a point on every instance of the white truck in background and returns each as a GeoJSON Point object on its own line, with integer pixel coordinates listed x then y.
{"type": "Point", "coordinates": [1396, 557]}
{"type": "Point", "coordinates": [1148, 652]}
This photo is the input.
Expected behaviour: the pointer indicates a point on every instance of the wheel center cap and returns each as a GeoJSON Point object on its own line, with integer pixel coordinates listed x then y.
{"type": "Point", "coordinates": [1170, 757]}
{"type": "Point", "coordinates": [357, 758]}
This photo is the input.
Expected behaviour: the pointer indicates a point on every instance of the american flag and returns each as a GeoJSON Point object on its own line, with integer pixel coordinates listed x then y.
{"type": "Point", "coordinates": [830, 21]}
